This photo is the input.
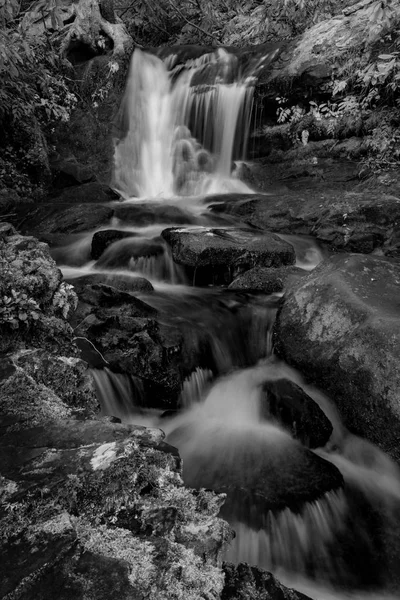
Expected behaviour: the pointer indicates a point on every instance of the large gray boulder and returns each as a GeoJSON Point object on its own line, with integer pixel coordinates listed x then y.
{"type": "Point", "coordinates": [220, 254]}
{"type": "Point", "coordinates": [341, 328]}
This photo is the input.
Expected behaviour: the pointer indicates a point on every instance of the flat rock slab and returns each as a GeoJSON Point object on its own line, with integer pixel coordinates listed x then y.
{"type": "Point", "coordinates": [341, 328]}
{"type": "Point", "coordinates": [65, 218]}
{"type": "Point", "coordinates": [350, 221]}
{"type": "Point", "coordinates": [231, 250]}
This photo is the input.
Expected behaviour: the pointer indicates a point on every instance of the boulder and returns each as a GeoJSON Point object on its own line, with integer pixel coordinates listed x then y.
{"type": "Point", "coordinates": [123, 283]}
{"type": "Point", "coordinates": [104, 238]}
{"type": "Point", "coordinates": [34, 302]}
{"type": "Point", "coordinates": [293, 408]}
{"type": "Point", "coordinates": [218, 255]}
{"type": "Point", "coordinates": [246, 582]}
{"type": "Point", "coordinates": [261, 279]}
{"type": "Point", "coordinates": [341, 328]}
{"type": "Point", "coordinates": [98, 509]}
{"type": "Point", "coordinates": [345, 221]}
{"type": "Point", "coordinates": [65, 218]}
{"type": "Point", "coordinates": [140, 214]}
{"type": "Point", "coordinates": [125, 334]}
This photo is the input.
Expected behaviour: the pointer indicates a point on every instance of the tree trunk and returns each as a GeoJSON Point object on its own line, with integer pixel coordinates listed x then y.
{"type": "Point", "coordinates": [91, 23]}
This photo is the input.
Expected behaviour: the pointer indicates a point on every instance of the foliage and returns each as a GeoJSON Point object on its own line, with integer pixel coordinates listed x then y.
{"type": "Point", "coordinates": [17, 309]}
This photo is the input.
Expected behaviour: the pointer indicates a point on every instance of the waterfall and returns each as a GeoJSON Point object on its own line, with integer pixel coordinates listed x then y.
{"type": "Point", "coordinates": [180, 130]}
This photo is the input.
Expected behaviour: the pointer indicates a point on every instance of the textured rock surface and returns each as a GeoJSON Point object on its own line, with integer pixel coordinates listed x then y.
{"type": "Point", "coordinates": [102, 239]}
{"type": "Point", "coordinates": [350, 221]}
{"type": "Point", "coordinates": [224, 253]}
{"type": "Point", "coordinates": [341, 327]}
{"type": "Point", "coordinates": [34, 302]}
{"type": "Point", "coordinates": [261, 279]}
{"type": "Point", "coordinates": [294, 409]}
{"type": "Point", "coordinates": [124, 283]}
{"type": "Point", "coordinates": [244, 582]}
{"type": "Point", "coordinates": [125, 331]}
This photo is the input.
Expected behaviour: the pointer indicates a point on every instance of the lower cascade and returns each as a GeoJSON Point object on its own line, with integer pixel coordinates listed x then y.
{"type": "Point", "coordinates": [308, 500]}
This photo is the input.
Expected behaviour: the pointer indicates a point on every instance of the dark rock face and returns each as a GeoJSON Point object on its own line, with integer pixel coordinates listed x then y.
{"type": "Point", "coordinates": [119, 282]}
{"type": "Point", "coordinates": [139, 214]}
{"type": "Point", "coordinates": [58, 218]}
{"type": "Point", "coordinates": [269, 471]}
{"type": "Point", "coordinates": [102, 239]}
{"type": "Point", "coordinates": [349, 221]}
{"type": "Point", "coordinates": [261, 279]}
{"type": "Point", "coordinates": [294, 409]}
{"type": "Point", "coordinates": [222, 254]}
{"type": "Point", "coordinates": [124, 331]}
{"type": "Point", "coordinates": [91, 192]}
{"type": "Point", "coordinates": [341, 328]}
{"type": "Point", "coordinates": [244, 582]}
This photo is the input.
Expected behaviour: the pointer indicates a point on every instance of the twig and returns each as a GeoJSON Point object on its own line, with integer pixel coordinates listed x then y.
{"type": "Point", "coordinates": [192, 24]}
{"type": "Point", "coordinates": [79, 337]}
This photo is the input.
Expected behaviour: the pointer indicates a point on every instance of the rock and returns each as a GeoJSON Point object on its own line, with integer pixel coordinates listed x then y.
{"type": "Point", "coordinates": [92, 193]}
{"type": "Point", "coordinates": [221, 254]}
{"type": "Point", "coordinates": [260, 468]}
{"type": "Point", "coordinates": [66, 219]}
{"type": "Point", "coordinates": [261, 279]}
{"type": "Point", "coordinates": [68, 377]}
{"type": "Point", "coordinates": [140, 215]}
{"type": "Point", "coordinates": [349, 221]}
{"type": "Point", "coordinates": [69, 172]}
{"type": "Point", "coordinates": [246, 582]}
{"type": "Point", "coordinates": [124, 252]}
{"type": "Point", "coordinates": [102, 239]}
{"type": "Point", "coordinates": [294, 409]}
{"type": "Point", "coordinates": [341, 328]}
{"type": "Point", "coordinates": [34, 302]}
{"type": "Point", "coordinates": [98, 509]}
{"type": "Point", "coordinates": [123, 330]}
{"type": "Point", "coordinates": [123, 283]}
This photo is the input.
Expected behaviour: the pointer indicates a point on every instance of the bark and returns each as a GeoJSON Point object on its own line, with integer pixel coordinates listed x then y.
{"type": "Point", "coordinates": [90, 22]}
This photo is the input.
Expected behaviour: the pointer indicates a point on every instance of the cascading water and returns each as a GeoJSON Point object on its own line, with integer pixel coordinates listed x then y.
{"type": "Point", "coordinates": [181, 127]}
{"type": "Point", "coordinates": [181, 133]}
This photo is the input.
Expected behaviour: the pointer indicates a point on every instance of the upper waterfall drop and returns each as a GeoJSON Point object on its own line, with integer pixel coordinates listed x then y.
{"type": "Point", "coordinates": [180, 129]}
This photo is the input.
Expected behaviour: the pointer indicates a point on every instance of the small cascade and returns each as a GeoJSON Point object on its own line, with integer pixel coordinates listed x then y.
{"type": "Point", "coordinates": [120, 395]}
{"type": "Point", "coordinates": [194, 387]}
{"type": "Point", "coordinates": [179, 131]}
{"type": "Point", "coordinates": [160, 267]}
{"type": "Point", "coordinates": [295, 540]}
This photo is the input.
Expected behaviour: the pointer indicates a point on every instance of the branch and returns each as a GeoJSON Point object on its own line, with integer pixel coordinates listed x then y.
{"type": "Point", "coordinates": [192, 24]}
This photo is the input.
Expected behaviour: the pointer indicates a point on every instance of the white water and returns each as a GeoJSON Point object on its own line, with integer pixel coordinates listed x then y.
{"type": "Point", "coordinates": [158, 155]}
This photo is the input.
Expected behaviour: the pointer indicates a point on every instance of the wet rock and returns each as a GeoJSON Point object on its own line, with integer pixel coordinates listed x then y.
{"type": "Point", "coordinates": [294, 409]}
{"type": "Point", "coordinates": [346, 221]}
{"type": "Point", "coordinates": [102, 239]}
{"type": "Point", "coordinates": [125, 252]}
{"type": "Point", "coordinates": [218, 255]}
{"type": "Point", "coordinates": [120, 282]}
{"type": "Point", "coordinates": [126, 336]}
{"type": "Point", "coordinates": [92, 193]}
{"type": "Point", "coordinates": [260, 468]}
{"type": "Point", "coordinates": [106, 296]}
{"type": "Point", "coordinates": [341, 328]}
{"type": "Point", "coordinates": [245, 582]}
{"type": "Point", "coordinates": [60, 218]}
{"type": "Point", "coordinates": [261, 279]}
{"type": "Point", "coordinates": [139, 214]}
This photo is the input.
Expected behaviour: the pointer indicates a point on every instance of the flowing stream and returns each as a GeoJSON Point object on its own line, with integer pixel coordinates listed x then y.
{"type": "Point", "coordinates": [181, 129]}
